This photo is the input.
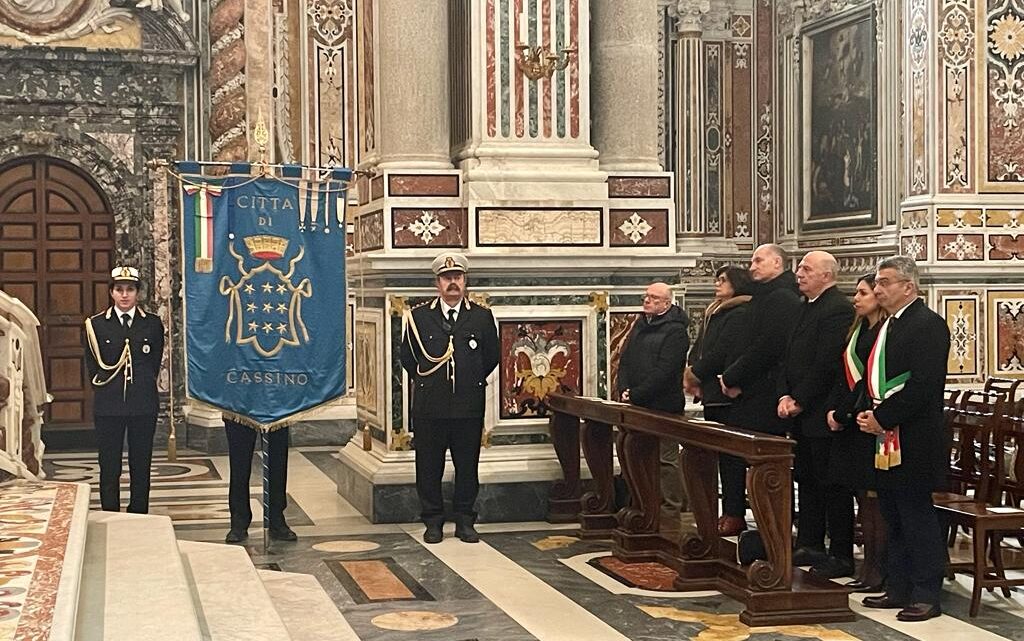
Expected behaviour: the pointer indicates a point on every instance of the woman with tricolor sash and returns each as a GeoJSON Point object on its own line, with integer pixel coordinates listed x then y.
{"type": "Point", "coordinates": [853, 451]}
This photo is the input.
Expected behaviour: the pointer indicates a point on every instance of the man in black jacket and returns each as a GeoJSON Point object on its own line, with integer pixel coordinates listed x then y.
{"type": "Point", "coordinates": [124, 347]}
{"type": "Point", "coordinates": [650, 375]}
{"type": "Point", "coordinates": [906, 374]}
{"type": "Point", "coordinates": [751, 379]}
{"type": "Point", "coordinates": [809, 370]}
{"type": "Point", "coordinates": [449, 347]}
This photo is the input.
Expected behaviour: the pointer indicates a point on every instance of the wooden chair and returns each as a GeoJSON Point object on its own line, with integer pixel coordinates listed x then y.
{"type": "Point", "coordinates": [970, 426]}
{"type": "Point", "coordinates": [1007, 386]}
{"type": "Point", "coordinates": [987, 520]}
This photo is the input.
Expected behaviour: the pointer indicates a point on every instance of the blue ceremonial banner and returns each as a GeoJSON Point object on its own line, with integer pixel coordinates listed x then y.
{"type": "Point", "coordinates": [264, 280]}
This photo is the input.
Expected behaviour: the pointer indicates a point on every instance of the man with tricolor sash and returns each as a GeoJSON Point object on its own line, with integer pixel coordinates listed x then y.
{"type": "Point", "coordinates": [906, 372]}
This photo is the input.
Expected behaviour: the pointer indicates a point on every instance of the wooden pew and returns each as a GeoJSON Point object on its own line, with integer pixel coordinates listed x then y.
{"type": "Point", "coordinates": [773, 591]}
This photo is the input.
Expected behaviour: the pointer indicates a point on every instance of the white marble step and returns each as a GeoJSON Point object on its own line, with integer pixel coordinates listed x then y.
{"type": "Point", "coordinates": [134, 584]}
{"type": "Point", "coordinates": [229, 596]}
{"type": "Point", "coordinates": [306, 609]}
{"type": "Point", "coordinates": [65, 608]}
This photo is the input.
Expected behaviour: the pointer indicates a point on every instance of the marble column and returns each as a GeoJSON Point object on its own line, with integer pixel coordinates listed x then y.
{"type": "Point", "coordinates": [624, 84]}
{"type": "Point", "coordinates": [412, 48]}
{"type": "Point", "coordinates": [690, 116]}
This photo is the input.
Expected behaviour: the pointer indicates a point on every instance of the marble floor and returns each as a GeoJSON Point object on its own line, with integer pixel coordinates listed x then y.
{"type": "Point", "coordinates": [523, 582]}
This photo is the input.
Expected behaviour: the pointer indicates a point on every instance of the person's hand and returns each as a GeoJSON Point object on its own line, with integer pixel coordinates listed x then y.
{"type": "Point", "coordinates": [624, 396]}
{"type": "Point", "coordinates": [788, 407]}
{"type": "Point", "coordinates": [691, 384]}
{"type": "Point", "coordinates": [730, 392]}
{"type": "Point", "coordinates": [832, 424]}
{"type": "Point", "coordinates": [867, 423]}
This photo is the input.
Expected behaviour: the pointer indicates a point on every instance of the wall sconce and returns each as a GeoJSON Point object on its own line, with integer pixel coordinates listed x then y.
{"type": "Point", "coordinates": [536, 63]}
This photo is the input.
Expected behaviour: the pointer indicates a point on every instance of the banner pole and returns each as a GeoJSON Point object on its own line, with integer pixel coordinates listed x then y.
{"type": "Point", "coordinates": [266, 487]}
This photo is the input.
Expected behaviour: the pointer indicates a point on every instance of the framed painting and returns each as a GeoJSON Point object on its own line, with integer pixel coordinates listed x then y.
{"type": "Point", "coordinates": [839, 152]}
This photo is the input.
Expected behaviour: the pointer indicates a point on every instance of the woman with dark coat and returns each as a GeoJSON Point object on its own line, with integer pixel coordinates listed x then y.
{"type": "Point", "coordinates": [722, 337]}
{"type": "Point", "coordinates": [853, 451]}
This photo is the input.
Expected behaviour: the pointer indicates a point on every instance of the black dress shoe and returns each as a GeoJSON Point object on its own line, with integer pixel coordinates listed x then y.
{"type": "Point", "coordinates": [833, 568]}
{"type": "Point", "coordinates": [919, 612]}
{"type": "Point", "coordinates": [884, 602]}
{"type": "Point", "coordinates": [865, 588]}
{"type": "Point", "coordinates": [808, 556]}
{"type": "Point", "coordinates": [236, 535]}
{"type": "Point", "coordinates": [466, 533]}
{"type": "Point", "coordinates": [433, 533]}
{"type": "Point", "coordinates": [283, 533]}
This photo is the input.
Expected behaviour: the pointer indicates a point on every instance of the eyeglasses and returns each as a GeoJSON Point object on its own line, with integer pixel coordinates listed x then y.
{"type": "Point", "coordinates": [885, 282]}
{"type": "Point", "coordinates": [652, 297]}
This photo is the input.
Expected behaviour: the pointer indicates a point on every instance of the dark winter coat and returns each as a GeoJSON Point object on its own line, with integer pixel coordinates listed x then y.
{"type": "Point", "coordinates": [722, 339]}
{"type": "Point", "coordinates": [651, 365]}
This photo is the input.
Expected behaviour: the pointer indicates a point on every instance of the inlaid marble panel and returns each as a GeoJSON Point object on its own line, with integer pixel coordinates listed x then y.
{"type": "Point", "coordinates": [423, 185]}
{"type": "Point", "coordinates": [959, 247]}
{"type": "Point", "coordinates": [956, 43]}
{"type": "Point", "coordinates": [369, 356]}
{"type": "Point", "coordinates": [370, 231]}
{"type": "Point", "coordinates": [639, 187]}
{"type": "Point", "coordinates": [511, 227]}
{"type": "Point", "coordinates": [619, 326]}
{"type": "Point", "coordinates": [538, 357]}
{"type": "Point", "coordinates": [1006, 333]}
{"type": "Point", "coordinates": [635, 227]}
{"type": "Point", "coordinates": [429, 227]}
{"type": "Point", "coordinates": [914, 219]}
{"type": "Point", "coordinates": [1006, 247]}
{"type": "Point", "coordinates": [961, 314]}
{"type": "Point", "coordinates": [914, 246]}
{"type": "Point", "coordinates": [1009, 218]}
{"type": "Point", "coordinates": [959, 218]}
{"type": "Point", "coordinates": [1002, 146]}
{"type": "Point", "coordinates": [918, 43]}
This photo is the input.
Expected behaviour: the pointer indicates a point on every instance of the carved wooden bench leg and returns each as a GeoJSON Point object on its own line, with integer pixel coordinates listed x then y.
{"type": "Point", "coordinates": [700, 471]}
{"type": "Point", "coordinates": [768, 486]}
{"type": "Point", "coordinates": [564, 496]}
{"type": "Point", "coordinates": [598, 515]}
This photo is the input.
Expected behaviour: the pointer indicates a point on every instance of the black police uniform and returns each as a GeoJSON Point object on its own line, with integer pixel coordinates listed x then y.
{"type": "Point", "coordinates": [449, 388]}
{"type": "Point", "coordinates": [125, 399]}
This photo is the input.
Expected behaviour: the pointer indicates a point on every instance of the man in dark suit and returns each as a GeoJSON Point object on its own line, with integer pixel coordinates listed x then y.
{"type": "Point", "coordinates": [449, 347]}
{"type": "Point", "coordinates": [906, 373]}
{"type": "Point", "coordinates": [750, 380]}
{"type": "Point", "coordinates": [124, 347]}
{"type": "Point", "coordinates": [241, 444]}
{"type": "Point", "coordinates": [651, 375]}
{"type": "Point", "coordinates": [809, 370]}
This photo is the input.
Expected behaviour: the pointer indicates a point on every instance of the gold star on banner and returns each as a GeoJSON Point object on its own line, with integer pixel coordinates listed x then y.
{"type": "Point", "coordinates": [282, 308]}
{"type": "Point", "coordinates": [250, 307]}
{"type": "Point", "coordinates": [267, 287]}
{"type": "Point", "coordinates": [267, 307]}
{"type": "Point", "coordinates": [267, 328]}
{"type": "Point", "coordinates": [281, 328]}
{"type": "Point", "coordinates": [282, 288]}
{"type": "Point", "coordinates": [248, 288]}
{"type": "Point", "coordinates": [252, 326]}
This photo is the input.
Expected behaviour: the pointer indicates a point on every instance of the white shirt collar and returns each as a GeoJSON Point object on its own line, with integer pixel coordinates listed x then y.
{"type": "Point", "coordinates": [445, 307]}
{"type": "Point", "coordinates": [118, 313]}
{"type": "Point", "coordinates": [904, 308]}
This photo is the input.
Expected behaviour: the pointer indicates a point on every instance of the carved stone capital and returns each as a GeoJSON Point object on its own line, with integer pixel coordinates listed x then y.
{"type": "Point", "coordinates": [690, 15]}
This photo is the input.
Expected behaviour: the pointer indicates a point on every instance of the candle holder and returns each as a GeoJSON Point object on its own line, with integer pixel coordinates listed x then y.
{"type": "Point", "coordinates": [537, 63]}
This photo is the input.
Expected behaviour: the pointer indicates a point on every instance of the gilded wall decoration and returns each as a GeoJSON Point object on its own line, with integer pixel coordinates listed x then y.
{"type": "Point", "coordinates": [918, 44]}
{"type": "Point", "coordinates": [369, 358]}
{"type": "Point", "coordinates": [1001, 143]}
{"type": "Point", "coordinates": [1006, 333]}
{"type": "Point", "coordinates": [841, 133]}
{"type": "Point", "coordinates": [956, 55]}
{"type": "Point", "coordinates": [538, 357]}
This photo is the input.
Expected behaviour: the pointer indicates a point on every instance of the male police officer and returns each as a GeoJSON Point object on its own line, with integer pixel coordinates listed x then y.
{"type": "Point", "coordinates": [448, 349]}
{"type": "Point", "coordinates": [124, 348]}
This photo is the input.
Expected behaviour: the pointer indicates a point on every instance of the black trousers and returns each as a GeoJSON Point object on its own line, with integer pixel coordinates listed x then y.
{"type": "Point", "coordinates": [917, 548]}
{"type": "Point", "coordinates": [432, 438]}
{"type": "Point", "coordinates": [241, 444]}
{"type": "Point", "coordinates": [824, 506]}
{"type": "Point", "coordinates": [110, 433]}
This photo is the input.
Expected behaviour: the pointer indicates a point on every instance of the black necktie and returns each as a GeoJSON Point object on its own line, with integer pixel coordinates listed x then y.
{"type": "Point", "coordinates": [125, 318]}
{"type": "Point", "coordinates": [451, 315]}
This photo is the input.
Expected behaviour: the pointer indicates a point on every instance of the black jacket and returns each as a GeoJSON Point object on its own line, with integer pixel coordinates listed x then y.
{"type": "Point", "coordinates": [918, 343]}
{"type": "Point", "coordinates": [774, 310]}
{"type": "Point", "coordinates": [651, 365]}
{"type": "Point", "coordinates": [475, 342]}
{"type": "Point", "coordinates": [721, 341]}
{"type": "Point", "coordinates": [813, 360]}
{"type": "Point", "coordinates": [146, 340]}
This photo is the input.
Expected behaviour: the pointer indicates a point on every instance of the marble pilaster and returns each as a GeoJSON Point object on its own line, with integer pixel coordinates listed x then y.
{"type": "Point", "coordinates": [690, 117]}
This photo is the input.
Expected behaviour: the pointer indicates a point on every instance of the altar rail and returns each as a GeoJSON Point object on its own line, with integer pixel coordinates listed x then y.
{"type": "Point", "coordinates": [22, 391]}
{"type": "Point", "coordinates": [773, 591]}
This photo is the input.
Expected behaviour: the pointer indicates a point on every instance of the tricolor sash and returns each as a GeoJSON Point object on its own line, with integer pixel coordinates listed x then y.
{"type": "Point", "coordinates": [202, 208]}
{"type": "Point", "coordinates": [887, 444]}
{"type": "Point", "coordinates": [852, 365]}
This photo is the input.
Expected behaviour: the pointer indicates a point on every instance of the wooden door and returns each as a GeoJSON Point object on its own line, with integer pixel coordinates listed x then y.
{"type": "Point", "coordinates": [56, 248]}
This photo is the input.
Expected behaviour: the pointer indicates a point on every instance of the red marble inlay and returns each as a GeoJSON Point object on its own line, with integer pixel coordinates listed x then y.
{"type": "Point", "coordinates": [1006, 247]}
{"type": "Point", "coordinates": [423, 185]}
{"type": "Point", "coordinates": [620, 324]}
{"type": "Point", "coordinates": [376, 187]}
{"type": "Point", "coordinates": [539, 357]}
{"type": "Point", "coordinates": [639, 187]}
{"type": "Point", "coordinates": [638, 227]}
{"type": "Point", "coordinates": [370, 232]}
{"type": "Point", "coordinates": [646, 576]}
{"type": "Point", "coordinates": [738, 171]}
{"type": "Point", "coordinates": [950, 247]}
{"type": "Point", "coordinates": [37, 613]}
{"type": "Point", "coordinates": [429, 227]}
{"type": "Point", "coordinates": [1009, 332]}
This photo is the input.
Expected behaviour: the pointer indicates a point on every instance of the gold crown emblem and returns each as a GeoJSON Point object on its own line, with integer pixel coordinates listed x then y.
{"type": "Point", "coordinates": [126, 272]}
{"type": "Point", "coordinates": [266, 247]}
{"type": "Point", "coordinates": [449, 262]}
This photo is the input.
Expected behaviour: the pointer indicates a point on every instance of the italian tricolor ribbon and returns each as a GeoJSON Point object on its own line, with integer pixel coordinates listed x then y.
{"type": "Point", "coordinates": [887, 444]}
{"type": "Point", "coordinates": [203, 212]}
{"type": "Point", "coordinates": [852, 364]}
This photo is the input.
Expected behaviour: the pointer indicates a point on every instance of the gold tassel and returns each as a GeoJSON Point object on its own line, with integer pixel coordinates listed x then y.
{"type": "Point", "coordinates": [204, 265]}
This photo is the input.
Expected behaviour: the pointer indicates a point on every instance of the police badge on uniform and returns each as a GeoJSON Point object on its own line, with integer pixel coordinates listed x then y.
{"type": "Point", "coordinates": [145, 349]}
{"type": "Point", "coordinates": [472, 343]}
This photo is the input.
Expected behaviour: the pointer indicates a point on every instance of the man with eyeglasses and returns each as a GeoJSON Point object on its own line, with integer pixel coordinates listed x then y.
{"type": "Point", "coordinates": [905, 374]}
{"type": "Point", "coordinates": [650, 375]}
